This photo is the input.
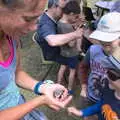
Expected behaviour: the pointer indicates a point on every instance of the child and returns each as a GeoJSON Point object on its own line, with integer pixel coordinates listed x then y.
{"type": "Point", "coordinates": [93, 67]}
{"type": "Point", "coordinates": [109, 106]}
{"type": "Point", "coordinates": [71, 13]}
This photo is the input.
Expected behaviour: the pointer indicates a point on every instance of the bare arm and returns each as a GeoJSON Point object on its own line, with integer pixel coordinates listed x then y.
{"type": "Point", "coordinates": [19, 111]}
{"type": "Point", "coordinates": [22, 78]}
{"type": "Point", "coordinates": [16, 113]}
{"type": "Point", "coordinates": [61, 39]}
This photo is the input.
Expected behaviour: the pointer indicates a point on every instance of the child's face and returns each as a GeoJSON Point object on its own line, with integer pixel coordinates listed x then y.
{"type": "Point", "coordinates": [114, 80]}
{"type": "Point", "coordinates": [72, 18]}
{"type": "Point", "coordinates": [110, 47]}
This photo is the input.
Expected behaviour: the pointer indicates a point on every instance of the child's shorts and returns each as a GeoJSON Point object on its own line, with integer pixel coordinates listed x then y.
{"type": "Point", "coordinates": [71, 62]}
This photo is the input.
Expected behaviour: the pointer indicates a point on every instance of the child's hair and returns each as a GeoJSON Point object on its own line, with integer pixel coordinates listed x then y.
{"type": "Point", "coordinates": [72, 7]}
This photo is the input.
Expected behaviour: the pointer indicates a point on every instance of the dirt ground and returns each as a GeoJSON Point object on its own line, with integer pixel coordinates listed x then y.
{"type": "Point", "coordinates": [31, 63]}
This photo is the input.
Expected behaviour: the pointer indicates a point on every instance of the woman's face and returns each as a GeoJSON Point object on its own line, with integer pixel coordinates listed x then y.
{"type": "Point", "coordinates": [20, 22]}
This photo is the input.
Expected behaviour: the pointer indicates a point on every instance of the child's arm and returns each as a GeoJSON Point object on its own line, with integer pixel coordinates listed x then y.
{"type": "Point", "coordinates": [87, 111]}
{"type": "Point", "coordinates": [91, 110]}
{"type": "Point", "coordinates": [74, 111]}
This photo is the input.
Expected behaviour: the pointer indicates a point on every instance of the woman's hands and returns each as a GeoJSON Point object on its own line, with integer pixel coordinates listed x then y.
{"type": "Point", "coordinates": [53, 102]}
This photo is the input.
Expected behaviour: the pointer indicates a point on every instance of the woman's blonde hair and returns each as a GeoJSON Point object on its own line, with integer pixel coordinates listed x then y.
{"type": "Point", "coordinates": [22, 5]}
{"type": "Point", "coordinates": [11, 10]}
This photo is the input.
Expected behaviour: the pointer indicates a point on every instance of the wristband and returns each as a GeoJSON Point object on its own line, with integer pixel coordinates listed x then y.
{"type": "Point", "coordinates": [48, 82]}
{"type": "Point", "coordinates": [36, 88]}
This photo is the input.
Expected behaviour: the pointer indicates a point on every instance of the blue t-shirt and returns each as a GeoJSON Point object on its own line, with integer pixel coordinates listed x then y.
{"type": "Point", "coordinates": [47, 26]}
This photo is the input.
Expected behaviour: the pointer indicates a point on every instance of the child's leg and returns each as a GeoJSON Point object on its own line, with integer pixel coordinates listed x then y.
{"type": "Point", "coordinates": [61, 73]}
{"type": "Point", "coordinates": [71, 78]}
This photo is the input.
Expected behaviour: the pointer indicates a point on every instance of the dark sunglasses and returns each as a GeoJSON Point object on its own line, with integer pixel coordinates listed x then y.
{"type": "Point", "coordinates": [113, 75]}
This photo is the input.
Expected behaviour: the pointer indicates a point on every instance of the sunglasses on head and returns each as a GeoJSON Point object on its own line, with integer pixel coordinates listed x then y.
{"type": "Point", "coordinates": [113, 75]}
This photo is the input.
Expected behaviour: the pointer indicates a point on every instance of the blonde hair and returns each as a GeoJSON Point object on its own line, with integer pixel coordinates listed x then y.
{"type": "Point", "coordinates": [9, 9]}
{"type": "Point", "coordinates": [20, 5]}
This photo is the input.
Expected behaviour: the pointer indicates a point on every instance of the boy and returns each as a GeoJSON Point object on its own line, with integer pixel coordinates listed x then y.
{"type": "Point", "coordinates": [109, 106]}
{"type": "Point", "coordinates": [97, 59]}
{"type": "Point", "coordinates": [71, 13]}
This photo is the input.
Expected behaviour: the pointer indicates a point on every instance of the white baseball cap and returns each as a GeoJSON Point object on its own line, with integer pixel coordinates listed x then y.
{"type": "Point", "coordinates": [108, 28]}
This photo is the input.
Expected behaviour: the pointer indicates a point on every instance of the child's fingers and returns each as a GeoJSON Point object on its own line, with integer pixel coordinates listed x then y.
{"type": "Point", "coordinates": [69, 111]}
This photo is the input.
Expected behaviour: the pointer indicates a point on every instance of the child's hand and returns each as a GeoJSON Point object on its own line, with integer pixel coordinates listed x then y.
{"type": "Point", "coordinates": [74, 111]}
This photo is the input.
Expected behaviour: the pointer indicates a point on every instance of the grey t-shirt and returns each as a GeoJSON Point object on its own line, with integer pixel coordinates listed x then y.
{"type": "Point", "coordinates": [66, 50]}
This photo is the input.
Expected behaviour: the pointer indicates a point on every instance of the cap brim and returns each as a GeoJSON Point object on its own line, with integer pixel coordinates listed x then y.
{"type": "Point", "coordinates": [104, 36]}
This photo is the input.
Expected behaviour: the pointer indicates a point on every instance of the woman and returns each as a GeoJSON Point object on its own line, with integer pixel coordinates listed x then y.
{"type": "Point", "coordinates": [17, 18]}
